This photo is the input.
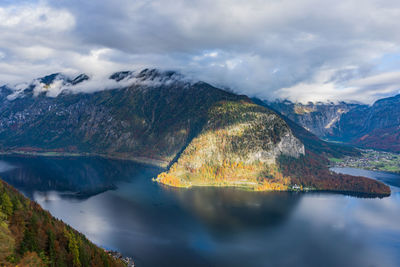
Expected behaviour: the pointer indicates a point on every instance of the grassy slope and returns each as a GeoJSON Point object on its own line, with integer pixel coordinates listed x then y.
{"type": "Point", "coordinates": [30, 236]}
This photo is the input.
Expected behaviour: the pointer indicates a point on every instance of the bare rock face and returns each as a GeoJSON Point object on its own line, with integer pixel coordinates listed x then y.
{"type": "Point", "coordinates": [318, 118]}
{"type": "Point", "coordinates": [290, 146]}
{"type": "Point", "coordinates": [210, 136]}
{"type": "Point", "coordinates": [244, 132]}
{"type": "Point", "coordinates": [376, 126]}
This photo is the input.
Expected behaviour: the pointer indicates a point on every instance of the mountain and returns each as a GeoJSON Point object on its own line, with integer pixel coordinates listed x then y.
{"type": "Point", "coordinates": [238, 146]}
{"type": "Point", "coordinates": [319, 118]}
{"type": "Point", "coordinates": [30, 236]}
{"type": "Point", "coordinates": [376, 126]}
{"type": "Point", "coordinates": [148, 121]}
{"type": "Point", "coordinates": [247, 145]}
{"type": "Point", "coordinates": [313, 143]}
{"type": "Point", "coordinates": [204, 135]}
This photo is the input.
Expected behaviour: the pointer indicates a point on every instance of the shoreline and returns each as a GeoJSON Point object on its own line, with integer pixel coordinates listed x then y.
{"type": "Point", "coordinates": [294, 189]}
{"type": "Point", "coordinates": [370, 160]}
{"type": "Point", "coordinates": [142, 160]}
{"type": "Point", "coordinates": [164, 164]}
{"type": "Point", "coordinates": [118, 256]}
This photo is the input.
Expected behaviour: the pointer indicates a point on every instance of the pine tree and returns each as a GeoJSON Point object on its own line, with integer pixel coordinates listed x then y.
{"type": "Point", "coordinates": [51, 248]}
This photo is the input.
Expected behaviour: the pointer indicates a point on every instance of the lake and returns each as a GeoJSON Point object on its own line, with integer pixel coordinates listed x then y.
{"type": "Point", "coordinates": [117, 206]}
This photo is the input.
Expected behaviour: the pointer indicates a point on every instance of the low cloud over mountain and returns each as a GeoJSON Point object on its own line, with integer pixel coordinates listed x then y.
{"type": "Point", "coordinates": [307, 50]}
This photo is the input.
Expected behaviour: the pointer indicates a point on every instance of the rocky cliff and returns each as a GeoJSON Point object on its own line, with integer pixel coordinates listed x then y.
{"type": "Point", "coordinates": [206, 136]}
{"type": "Point", "coordinates": [238, 146]}
{"type": "Point", "coordinates": [318, 118]}
{"type": "Point", "coordinates": [376, 126]}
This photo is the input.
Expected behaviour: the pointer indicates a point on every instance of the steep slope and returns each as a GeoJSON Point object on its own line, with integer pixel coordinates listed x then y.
{"type": "Point", "coordinates": [249, 146]}
{"type": "Point", "coordinates": [318, 118]}
{"type": "Point", "coordinates": [30, 236]}
{"type": "Point", "coordinates": [206, 136]}
{"type": "Point", "coordinates": [376, 126]}
{"type": "Point", "coordinates": [151, 118]}
{"type": "Point", "coordinates": [311, 141]}
{"type": "Point", "coordinates": [238, 146]}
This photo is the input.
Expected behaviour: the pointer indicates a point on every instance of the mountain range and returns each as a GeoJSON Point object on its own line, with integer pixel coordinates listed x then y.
{"type": "Point", "coordinates": [375, 126]}
{"type": "Point", "coordinates": [203, 135]}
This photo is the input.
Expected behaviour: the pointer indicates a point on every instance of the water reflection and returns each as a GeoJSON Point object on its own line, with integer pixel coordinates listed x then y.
{"type": "Point", "coordinates": [227, 210]}
{"type": "Point", "coordinates": [161, 226]}
{"type": "Point", "coordinates": [76, 177]}
{"type": "Point", "coordinates": [392, 179]}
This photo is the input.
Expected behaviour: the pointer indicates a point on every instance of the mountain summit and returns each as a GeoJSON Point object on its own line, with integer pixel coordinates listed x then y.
{"type": "Point", "coordinates": [204, 135]}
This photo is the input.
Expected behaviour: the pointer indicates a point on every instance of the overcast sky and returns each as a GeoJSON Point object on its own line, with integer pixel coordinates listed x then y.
{"type": "Point", "coordinates": [302, 50]}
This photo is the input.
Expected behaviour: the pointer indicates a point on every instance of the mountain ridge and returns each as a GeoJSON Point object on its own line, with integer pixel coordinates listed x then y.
{"type": "Point", "coordinates": [375, 126]}
{"type": "Point", "coordinates": [163, 117]}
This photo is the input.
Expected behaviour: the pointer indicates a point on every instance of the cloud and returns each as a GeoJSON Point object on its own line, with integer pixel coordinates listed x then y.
{"type": "Point", "coordinates": [62, 83]}
{"type": "Point", "coordinates": [302, 50]}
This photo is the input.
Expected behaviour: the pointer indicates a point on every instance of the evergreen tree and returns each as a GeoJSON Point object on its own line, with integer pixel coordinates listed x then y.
{"type": "Point", "coordinates": [6, 204]}
{"type": "Point", "coordinates": [51, 248]}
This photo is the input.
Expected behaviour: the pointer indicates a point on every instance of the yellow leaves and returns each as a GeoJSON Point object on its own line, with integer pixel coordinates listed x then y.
{"type": "Point", "coordinates": [173, 168]}
{"type": "Point", "coordinates": [277, 182]}
{"type": "Point", "coordinates": [257, 176]}
{"type": "Point", "coordinates": [271, 186]}
{"type": "Point", "coordinates": [170, 180]}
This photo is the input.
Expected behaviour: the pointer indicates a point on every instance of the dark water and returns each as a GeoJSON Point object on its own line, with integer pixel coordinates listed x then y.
{"type": "Point", "coordinates": [118, 207]}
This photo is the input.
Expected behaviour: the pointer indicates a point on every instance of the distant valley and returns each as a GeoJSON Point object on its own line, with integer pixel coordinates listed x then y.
{"type": "Point", "coordinates": [376, 126]}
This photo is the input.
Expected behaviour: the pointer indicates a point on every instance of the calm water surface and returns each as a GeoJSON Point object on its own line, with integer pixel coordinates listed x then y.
{"type": "Point", "coordinates": [117, 206]}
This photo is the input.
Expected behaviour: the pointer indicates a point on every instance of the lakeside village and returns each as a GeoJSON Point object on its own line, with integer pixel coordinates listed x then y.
{"type": "Point", "coordinates": [118, 255]}
{"type": "Point", "coordinates": [371, 160]}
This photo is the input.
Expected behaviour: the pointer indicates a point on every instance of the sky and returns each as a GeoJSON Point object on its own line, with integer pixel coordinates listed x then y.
{"type": "Point", "coordinates": [303, 50]}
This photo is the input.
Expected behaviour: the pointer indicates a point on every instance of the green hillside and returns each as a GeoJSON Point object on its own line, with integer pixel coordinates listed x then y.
{"type": "Point", "coordinates": [30, 236]}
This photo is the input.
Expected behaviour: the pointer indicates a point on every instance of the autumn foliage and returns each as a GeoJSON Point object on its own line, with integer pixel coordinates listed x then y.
{"type": "Point", "coordinates": [311, 171]}
{"type": "Point", "coordinates": [237, 147]}
{"type": "Point", "coordinates": [34, 238]}
{"type": "Point", "coordinates": [258, 177]}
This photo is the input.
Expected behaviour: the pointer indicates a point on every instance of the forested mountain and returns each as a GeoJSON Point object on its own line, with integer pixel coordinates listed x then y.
{"type": "Point", "coordinates": [153, 117]}
{"type": "Point", "coordinates": [30, 236]}
{"type": "Point", "coordinates": [247, 145]}
{"type": "Point", "coordinates": [207, 136]}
